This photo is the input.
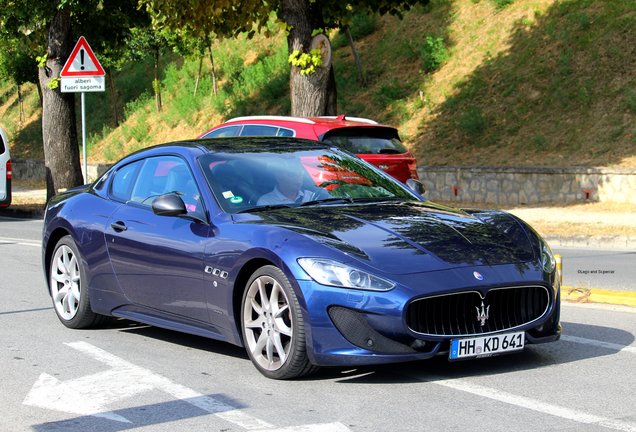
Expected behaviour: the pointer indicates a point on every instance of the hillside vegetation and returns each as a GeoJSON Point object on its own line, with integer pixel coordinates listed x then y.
{"type": "Point", "coordinates": [467, 82]}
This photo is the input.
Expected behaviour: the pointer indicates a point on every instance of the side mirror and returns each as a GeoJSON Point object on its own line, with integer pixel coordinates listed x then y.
{"type": "Point", "coordinates": [416, 186]}
{"type": "Point", "coordinates": [169, 205]}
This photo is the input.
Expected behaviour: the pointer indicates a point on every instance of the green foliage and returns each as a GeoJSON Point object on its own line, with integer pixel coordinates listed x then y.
{"type": "Point", "coordinates": [473, 122]}
{"type": "Point", "coordinates": [390, 92]}
{"type": "Point", "coordinates": [433, 53]}
{"type": "Point", "coordinates": [41, 60]}
{"type": "Point", "coordinates": [306, 62]}
{"type": "Point", "coordinates": [17, 63]}
{"type": "Point", "coordinates": [54, 83]}
{"type": "Point", "coordinates": [630, 100]}
{"type": "Point", "coordinates": [501, 4]}
{"type": "Point", "coordinates": [362, 24]}
{"type": "Point", "coordinates": [539, 143]}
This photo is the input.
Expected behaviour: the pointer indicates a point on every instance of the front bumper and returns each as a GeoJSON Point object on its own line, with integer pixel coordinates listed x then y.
{"type": "Point", "coordinates": [354, 327]}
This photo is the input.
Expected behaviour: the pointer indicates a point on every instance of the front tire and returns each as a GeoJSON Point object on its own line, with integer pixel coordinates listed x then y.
{"type": "Point", "coordinates": [67, 282]}
{"type": "Point", "coordinates": [273, 327]}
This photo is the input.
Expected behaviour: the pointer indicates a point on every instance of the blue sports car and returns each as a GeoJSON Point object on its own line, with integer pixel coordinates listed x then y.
{"type": "Point", "coordinates": [302, 253]}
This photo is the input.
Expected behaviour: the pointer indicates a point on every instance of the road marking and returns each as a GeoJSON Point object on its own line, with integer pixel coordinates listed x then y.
{"type": "Point", "coordinates": [331, 427]}
{"type": "Point", "coordinates": [535, 405]}
{"type": "Point", "coordinates": [89, 395]}
{"type": "Point", "coordinates": [598, 343]}
{"type": "Point", "coordinates": [10, 240]}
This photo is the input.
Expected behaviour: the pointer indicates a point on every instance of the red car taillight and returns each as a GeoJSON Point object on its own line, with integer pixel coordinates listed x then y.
{"type": "Point", "coordinates": [9, 173]}
{"type": "Point", "coordinates": [413, 170]}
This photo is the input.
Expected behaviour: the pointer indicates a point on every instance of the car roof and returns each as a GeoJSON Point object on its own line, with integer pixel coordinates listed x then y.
{"type": "Point", "coordinates": [333, 121]}
{"type": "Point", "coordinates": [234, 144]}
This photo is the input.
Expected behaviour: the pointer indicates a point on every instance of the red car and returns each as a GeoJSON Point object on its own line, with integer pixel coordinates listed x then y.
{"type": "Point", "coordinates": [373, 142]}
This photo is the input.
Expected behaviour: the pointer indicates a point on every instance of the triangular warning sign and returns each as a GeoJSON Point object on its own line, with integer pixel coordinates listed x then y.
{"type": "Point", "coordinates": [82, 61]}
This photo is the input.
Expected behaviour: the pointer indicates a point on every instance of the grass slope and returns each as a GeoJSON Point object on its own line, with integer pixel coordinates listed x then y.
{"type": "Point", "coordinates": [467, 82]}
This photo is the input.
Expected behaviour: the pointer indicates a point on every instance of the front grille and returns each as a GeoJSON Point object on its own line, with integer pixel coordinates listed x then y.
{"type": "Point", "coordinates": [462, 314]}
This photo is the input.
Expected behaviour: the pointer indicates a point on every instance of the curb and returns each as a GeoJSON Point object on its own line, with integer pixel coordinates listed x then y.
{"type": "Point", "coordinates": [582, 241]}
{"type": "Point", "coordinates": [31, 213]}
{"type": "Point", "coordinates": [598, 295]}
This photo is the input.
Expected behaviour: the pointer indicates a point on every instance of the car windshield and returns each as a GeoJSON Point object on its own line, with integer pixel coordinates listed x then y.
{"type": "Point", "coordinates": [261, 180]}
{"type": "Point", "coordinates": [376, 140]}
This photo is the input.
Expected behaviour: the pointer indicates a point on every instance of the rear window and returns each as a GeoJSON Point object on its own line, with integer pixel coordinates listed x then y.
{"type": "Point", "coordinates": [2, 148]}
{"type": "Point", "coordinates": [258, 130]}
{"type": "Point", "coordinates": [366, 140]}
{"type": "Point", "coordinates": [228, 131]}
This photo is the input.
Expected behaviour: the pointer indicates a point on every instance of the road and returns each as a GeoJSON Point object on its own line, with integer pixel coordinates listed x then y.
{"type": "Point", "coordinates": [128, 376]}
{"type": "Point", "coordinates": [604, 269]}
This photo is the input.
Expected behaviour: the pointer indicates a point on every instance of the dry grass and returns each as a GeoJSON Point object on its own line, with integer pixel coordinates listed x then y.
{"type": "Point", "coordinates": [567, 229]}
{"type": "Point", "coordinates": [591, 219]}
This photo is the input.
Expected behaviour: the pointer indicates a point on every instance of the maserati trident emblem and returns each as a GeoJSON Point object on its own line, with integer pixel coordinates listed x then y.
{"type": "Point", "coordinates": [478, 276]}
{"type": "Point", "coordinates": [482, 315]}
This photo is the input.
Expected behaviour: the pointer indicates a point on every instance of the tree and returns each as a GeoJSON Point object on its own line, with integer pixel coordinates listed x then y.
{"type": "Point", "coordinates": [149, 41]}
{"type": "Point", "coordinates": [190, 43]}
{"type": "Point", "coordinates": [50, 27]}
{"type": "Point", "coordinates": [18, 65]}
{"type": "Point", "coordinates": [311, 93]}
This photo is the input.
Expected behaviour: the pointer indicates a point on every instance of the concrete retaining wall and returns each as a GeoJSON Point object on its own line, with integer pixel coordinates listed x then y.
{"type": "Point", "coordinates": [28, 169]}
{"type": "Point", "coordinates": [502, 186]}
{"type": "Point", "coordinates": [517, 186]}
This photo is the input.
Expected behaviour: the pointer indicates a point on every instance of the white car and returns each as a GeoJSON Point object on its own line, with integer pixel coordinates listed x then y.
{"type": "Point", "coordinates": [5, 171]}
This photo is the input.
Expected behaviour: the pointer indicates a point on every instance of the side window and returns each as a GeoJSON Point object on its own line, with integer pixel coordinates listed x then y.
{"type": "Point", "coordinates": [259, 130]}
{"type": "Point", "coordinates": [166, 174]}
{"type": "Point", "coordinates": [228, 131]}
{"type": "Point", "coordinates": [285, 132]}
{"type": "Point", "coordinates": [123, 181]}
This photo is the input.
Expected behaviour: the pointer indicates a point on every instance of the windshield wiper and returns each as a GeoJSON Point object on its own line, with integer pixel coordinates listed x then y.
{"type": "Point", "coordinates": [265, 208]}
{"type": "Point", "coordinates": [330, 200]}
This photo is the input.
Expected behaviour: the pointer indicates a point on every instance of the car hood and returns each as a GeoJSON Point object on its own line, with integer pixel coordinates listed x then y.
{"type": "Point", "coordinates": [410, 237]}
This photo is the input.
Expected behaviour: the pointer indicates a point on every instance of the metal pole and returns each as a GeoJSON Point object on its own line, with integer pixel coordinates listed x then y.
{"type": "Point", "coordinates": [84, 139]}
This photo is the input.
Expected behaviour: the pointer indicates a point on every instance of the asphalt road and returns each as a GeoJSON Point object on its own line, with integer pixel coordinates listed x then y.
{"type": "Point", "coordinates": [134, 377]}
{"type": "Point", "coordinates": [583, 268]}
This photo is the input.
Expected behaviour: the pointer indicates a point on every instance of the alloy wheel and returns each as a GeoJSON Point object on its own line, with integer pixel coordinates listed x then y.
{"type": "Point", "coordinates": [65, 282]}
{"type": "Point", "coordinates": [267, 323]}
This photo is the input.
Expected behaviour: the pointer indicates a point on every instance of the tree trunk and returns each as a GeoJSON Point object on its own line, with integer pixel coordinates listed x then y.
{"type": "Point", "coordinates": [214, 89]}
{"type": "Point", "coordinates": [332, 97]}
{"type": "Point", "coordinates": [59, 133]}
{"type": "Point", "coordinates": [196, 82]}
{"type": "Point", "coordinates": [20, 107]}
{"type": "Point", "coordinates": [39, 87]}
{"type": "Point", "coordinates": [310, 94]}
{"type": "Point", "coordinates": [356, 58]}
{"type": "Point", "coordinates": [156, 84]}
{"type": "Point", "coordinates": [113, 96]}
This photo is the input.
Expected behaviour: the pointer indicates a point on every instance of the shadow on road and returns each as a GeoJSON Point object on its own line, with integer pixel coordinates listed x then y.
{"type": "Point", "coordinates": [533, 357]}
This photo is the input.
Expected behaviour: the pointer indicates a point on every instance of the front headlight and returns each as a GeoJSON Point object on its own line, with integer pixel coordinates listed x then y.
{"type": "Point", "coordinates": [547, 258]}
{"type": "Point", "coordinates": [328, 272]}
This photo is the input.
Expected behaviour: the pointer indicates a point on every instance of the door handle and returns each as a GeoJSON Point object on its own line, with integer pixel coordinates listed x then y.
{"type": "Point", "coordinates": [119, 226]}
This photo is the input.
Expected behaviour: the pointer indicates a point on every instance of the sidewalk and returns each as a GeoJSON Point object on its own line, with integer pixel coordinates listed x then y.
{"type": "Point", "coordinates": [596, 225]}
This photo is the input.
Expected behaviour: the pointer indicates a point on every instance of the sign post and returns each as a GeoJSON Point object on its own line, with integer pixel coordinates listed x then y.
{"type": "Point", "coordinates": [82, 73]}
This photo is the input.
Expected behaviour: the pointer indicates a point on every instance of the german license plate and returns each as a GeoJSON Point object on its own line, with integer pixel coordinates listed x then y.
{"type": "Point", "coordinates": [485, 346]}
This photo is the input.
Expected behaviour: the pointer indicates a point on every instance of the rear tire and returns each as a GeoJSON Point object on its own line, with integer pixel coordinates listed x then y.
{"type": "Point", "coordinates": [273, 327]}
{"type": "Point", "coordinates": [67, 283]}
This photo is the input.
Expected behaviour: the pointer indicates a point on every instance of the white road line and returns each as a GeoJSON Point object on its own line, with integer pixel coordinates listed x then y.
{"type": "Point", "coordinates": [535, 405]}
{"type": "Point", "coordinates": [144, 378]}
{"type": "Point", "coordinates": [598, 343]}
{"type": "Point", "coordinates": [326, 427]}
{"type": "Point", "coordinates": [206, 403]}
{"type": "Point", "coordinates": [9, 240]}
